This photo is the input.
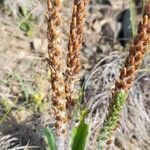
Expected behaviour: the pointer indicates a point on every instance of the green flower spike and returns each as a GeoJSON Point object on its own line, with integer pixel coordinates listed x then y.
{"type": "Point", "coordinates": [112, 119]}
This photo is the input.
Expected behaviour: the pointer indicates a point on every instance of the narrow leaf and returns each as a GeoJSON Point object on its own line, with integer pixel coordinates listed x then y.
{"type": "Point", "coordinates": [80, 135]}
{"type": "Point", "coordinates": [133, 18]}
{"type": "Point", "coordinates": [50, 139]}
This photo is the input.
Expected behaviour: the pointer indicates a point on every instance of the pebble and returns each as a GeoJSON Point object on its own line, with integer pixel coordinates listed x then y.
{"type": "Point", "coordinates": [39, 45]}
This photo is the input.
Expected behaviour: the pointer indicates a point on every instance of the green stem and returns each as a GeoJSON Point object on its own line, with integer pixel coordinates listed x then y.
{"type": "Point", "coordinates": [133, 18]}
{"type": "Point", "coordinates": [113, 117]}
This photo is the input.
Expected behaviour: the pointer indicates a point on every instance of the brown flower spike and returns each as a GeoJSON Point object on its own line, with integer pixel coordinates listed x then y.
{"type": "Point", "coordinates": [74, 46]}
{"type": "Point", "coordinates": [136, 53]}
{"type": "Point", "coordinates": [126, 78]}
{"type": "Point", "coordinates": [55, 52]}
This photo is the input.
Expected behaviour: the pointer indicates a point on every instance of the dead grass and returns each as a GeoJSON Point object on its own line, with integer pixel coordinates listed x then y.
{"type": "Point", "coordinates": [133, 131]}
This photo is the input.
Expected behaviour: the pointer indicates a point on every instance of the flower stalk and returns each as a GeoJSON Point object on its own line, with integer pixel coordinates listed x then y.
{"type": "Point", "coordinates": [74, 46]}
{"type": "Point", "coordinates": [127, 76]}
{"type": "Point", "coordinates": [53, 15]}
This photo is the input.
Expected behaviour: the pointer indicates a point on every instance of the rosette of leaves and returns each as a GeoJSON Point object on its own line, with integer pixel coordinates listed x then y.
{"type": "Point", "coordinates": [79, 135]}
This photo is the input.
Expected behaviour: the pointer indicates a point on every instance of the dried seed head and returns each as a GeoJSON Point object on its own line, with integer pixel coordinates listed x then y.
{"type": "Point", "coordinates": [74, 45]}
{"type": "Point", "coordinates": [49, 5]}
{"type": "Point", "coordinates": [136, 53]}
{"type": "Point", "coordinates": [123, 72]}
{"type": "Point", "coordinates": [147, 9]}
{"type": "Point", "coordinates": [55, 54]}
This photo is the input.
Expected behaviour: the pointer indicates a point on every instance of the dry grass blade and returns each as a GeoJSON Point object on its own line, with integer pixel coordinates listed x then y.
{"type": "Point", "coordinates": [98, 93]}
{"type": "Point", "coordinates": [133, 129]}
{"type": "Point", "coordinates": [7, 142]}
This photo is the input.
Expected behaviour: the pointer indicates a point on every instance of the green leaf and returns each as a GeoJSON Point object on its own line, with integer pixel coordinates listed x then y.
{"type": "Point", "coordinates": [23, 86]}
{"type": "Point", "coordinates": [133, 18]}
{"type": "Point", "coordinates": [23, 11]}
{"type": "Point", "coordinates": [77, 109]}
{"type": "Point", "coordinates": [50, 139]}
{"type": "Point", "coordinates": [8, 111]}
{"type": "Point", "coordinates": [25, 26]}
{"type": "Point", "coordinates": [80, 135]}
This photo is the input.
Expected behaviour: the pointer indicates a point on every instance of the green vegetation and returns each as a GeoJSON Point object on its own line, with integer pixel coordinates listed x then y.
{"type": "Point", "coordinates": [112, 120]}
{"type": "Point", "coordinates": [50, 139]}
{"type": "Point", "coordinates": [133, 18]}
{"type": "Point", "coordinates": [27, 22]}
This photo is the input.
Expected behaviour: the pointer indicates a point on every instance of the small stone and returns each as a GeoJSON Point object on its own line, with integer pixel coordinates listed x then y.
{"type": "Point", "coordinates": [39, 45]}
{"type": "Point", "coordinates": [107, 31]}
